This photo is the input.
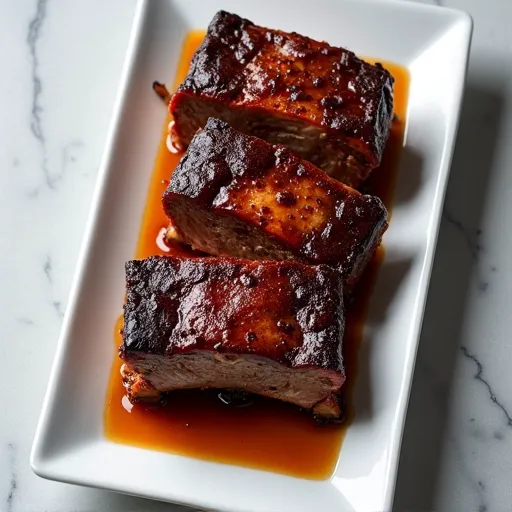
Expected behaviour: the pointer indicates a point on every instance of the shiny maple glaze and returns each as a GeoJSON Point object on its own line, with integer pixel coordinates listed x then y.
{"type": "Point", "coordinates": [268, 435]}
{"type": "Point", "coordinates": [288, 201]}
{"type": "Point", "coordinates": [260, 70]}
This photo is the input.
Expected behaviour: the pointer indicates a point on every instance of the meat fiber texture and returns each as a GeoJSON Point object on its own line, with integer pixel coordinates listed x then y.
{"type": "Point", "coordinates": [236, 195]}
{"type": "Point", "coordinates": [323, 102]}
{"type": "Point", "coordinates": [273, 328]}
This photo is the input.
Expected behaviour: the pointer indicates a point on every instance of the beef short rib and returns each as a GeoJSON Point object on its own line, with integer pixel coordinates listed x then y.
{"type": "Point", "coordinates": [326, 104]}
{"type": "Point", "coordinates": [273, 328]}
{"type": "Point", "coordinates": [234, 194]}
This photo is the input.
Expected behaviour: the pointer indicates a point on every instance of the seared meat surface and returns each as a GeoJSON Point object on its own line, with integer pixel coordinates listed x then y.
{"type": "Point", "coordinates": [237, 195]}
{"type": "Point", "coordinates": [272, 328]}
{"type": "Point", "coordinates": [323, 102]}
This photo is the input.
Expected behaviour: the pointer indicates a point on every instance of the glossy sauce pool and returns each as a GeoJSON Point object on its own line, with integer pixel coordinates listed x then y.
{"type": "Point", "coordinates": [267, 435]}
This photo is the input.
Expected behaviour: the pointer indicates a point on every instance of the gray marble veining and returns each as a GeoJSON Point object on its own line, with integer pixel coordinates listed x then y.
{"type": "Point", "coordinates": [469, 238]}
{"type": "Point", "coordinates": [47, 268]}
{"type": "Point", "coordinates": [472, 239]}
{"type": "Point", "coordinates": [479, 377]}
{"type": "Point", "coordinates": [13, 484]}
{"type": "Point", "coordinates": [36, 125]}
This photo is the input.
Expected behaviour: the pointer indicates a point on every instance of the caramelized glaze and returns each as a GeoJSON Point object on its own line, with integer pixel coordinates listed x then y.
{"type": "Point", "coordinates": [254, 194]}
{"type": "Point", "coordinates": [255, 67]}
{"type": "Point", "coordinates": [268, 434]}
{"type": "Point", "coordinates": [293, 312]}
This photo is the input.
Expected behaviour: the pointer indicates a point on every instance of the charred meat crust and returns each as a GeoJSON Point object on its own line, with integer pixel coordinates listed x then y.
{"type": "Point", "coordinates": [288, 312]}
{"type": "Point", "coordinates": [286, 205]}
{"type": "Point", "coordinates": [245, 66]}
{"type": "Point", "coordinates": [270, 328]}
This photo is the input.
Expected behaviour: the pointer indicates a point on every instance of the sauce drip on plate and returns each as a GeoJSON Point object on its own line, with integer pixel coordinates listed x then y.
{"type": "Point", "coordinates": [266, 434]}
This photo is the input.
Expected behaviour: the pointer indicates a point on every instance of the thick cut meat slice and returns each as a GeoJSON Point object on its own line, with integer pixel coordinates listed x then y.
{"type": "Point", "coordinates": [272, 328]}
{"type": "Point", "coordinates": [332, 108]}
{"type": "Point", "coordinates": [237, 195]}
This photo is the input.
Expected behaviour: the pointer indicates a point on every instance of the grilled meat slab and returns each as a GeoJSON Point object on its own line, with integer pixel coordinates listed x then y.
{"type": "Point", "coordinates": [234, 194]}
{"type": "Point", "coordinates": [332, 108]}
{"type": "Point", "coordinates": [272, 328]}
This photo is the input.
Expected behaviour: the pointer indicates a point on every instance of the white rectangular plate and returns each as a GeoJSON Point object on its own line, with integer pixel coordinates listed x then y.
{"type": "Point", "coordinates": [69, 446]}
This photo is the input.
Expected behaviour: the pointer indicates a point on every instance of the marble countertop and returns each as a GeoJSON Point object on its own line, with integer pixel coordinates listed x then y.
{"type": "Point", "coordinates": [61, 65]}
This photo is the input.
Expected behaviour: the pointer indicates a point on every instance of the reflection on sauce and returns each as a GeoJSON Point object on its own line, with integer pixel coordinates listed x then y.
{"type": "Point", "coordinates": [268, 435]}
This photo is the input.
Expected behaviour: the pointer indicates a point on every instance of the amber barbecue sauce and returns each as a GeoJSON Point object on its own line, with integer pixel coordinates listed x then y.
{"type": "Point", "coordinates": [268, 435]}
